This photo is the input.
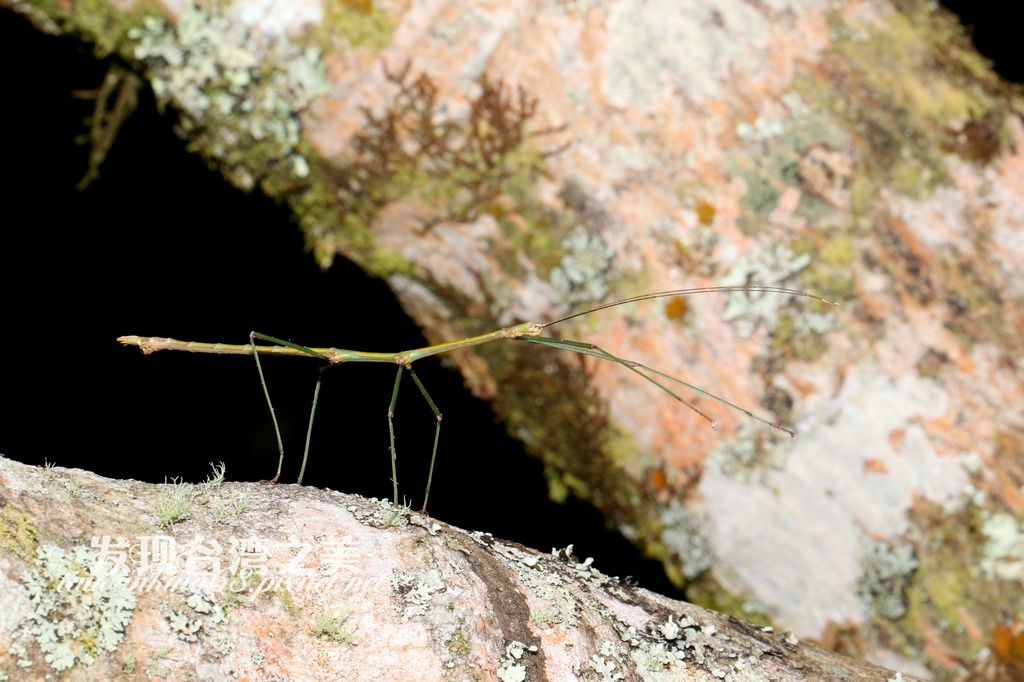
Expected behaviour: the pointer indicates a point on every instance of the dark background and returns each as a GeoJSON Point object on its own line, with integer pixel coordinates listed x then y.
{"type": "Point", "coordinates": [159, 245]}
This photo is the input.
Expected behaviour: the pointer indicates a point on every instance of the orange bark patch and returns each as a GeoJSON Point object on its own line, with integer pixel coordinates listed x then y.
{"type": "Point", "coordinates": [675, 308]}
{"type": "Point", "coordinates": [1008, 469]}
{"type": "Point", "coordinates": [1008, 644]}
{"type": "Point", "coordinates": [657, 480]}
{"type": "Point", "coordinates": [705, 212]}
{"type": "Point", "coordinates": [875, 466]}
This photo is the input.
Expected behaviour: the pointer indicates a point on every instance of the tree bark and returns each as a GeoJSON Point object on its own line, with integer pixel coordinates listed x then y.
{"type": "Point", "coordinates": [500, 163]}
{"type": "Point", "coordinates": [243, 580]}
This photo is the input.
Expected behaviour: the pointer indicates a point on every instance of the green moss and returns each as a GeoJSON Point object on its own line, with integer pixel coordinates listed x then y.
{"type": "Point", "coordinates": [18, 535]}
{"type": "Point", "coordinates": [289, 602]}
{"type": "Point", "coordinates": [708, 592]}
{"type": "Point", "coordinates": [562, 484]}
{"type": "Point", "coordinates": [659, 551]}
{"type": "Point", "coordinates": [839, 251]}
{"type": "Point", "coordinates": [356, 22]}
{"type": "Point", "coordinates": [558, 416]}
{"type": "Point", "coordinates": [863, 193]}
{"type": "Point", "coordinates": [791, 340]}
{"type": "Point", "coordinates": [107, 25]}
{"type": "Point", "coordinates": [333, 627]}
{"type": "Point", "coordinates": [950, 588]}
{"type": "Point", "coordinates": [330, 226]}
{"type": "Point", "coordinates": [802, 332]}
{"type": "Point", "coordinates": [834, 253]}
{"type": "Point", "coordinates": [945, 592]}
{"type": "Point", "coordinates": [899, 85]}
{"type": "Point", "coordinates": [103, 24]}
{"type": "Point", "coordinates": [565, 427]}
{"type": "Point", "coordinates": [458, 644]}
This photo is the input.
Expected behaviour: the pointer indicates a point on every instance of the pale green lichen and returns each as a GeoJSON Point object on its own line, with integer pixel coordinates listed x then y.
{"type": "Point", "coordinates": [756, 451]}
{"type": "Point", "coordinates": [69, 487]}
{"type": "Point", "coordinates": [176, 499]}
{"type": "Point", "coordinates": [239, 97]}
{"type": "Point", "coordinates": [270, 17]}
{"type": "Point", "coordinates": [551, 587]}
{"type": "Point", "coordinates": [695, 250]}
{"type": "Point", "coordinates": [174, 502]}
{"type": "Point", "coordinates": [186, 628]}
{"type": "Point", "coordinates": [385, 514]}
{"type": "Point", "coordinates": [333, 627]}
{"type": "Point", "coordinates": [580, 277]}
{"type": "Point", "coordinates": [227, 510]}
{"type": "Point", "coordinates": [559, 605]}
{"type": "Point", "coordinates": [657, 649]}
{"type": "Point", "coordinates": [197, 617]}
{"type": "Point", "coordinates": [661, 648]}
{"type": "Point", "coordinates": [887, 573]}
{"type": "Point", "coordinates": [511, 669]}
{"type": "Point", "coordinates": [682, 534]}
{"type": "Point", "coordinates": [81, 607]}
{"type": "Point", "coordinates": [128, 667]}
{"type": "Point", "coordinates": [770, 266]}
{"type": "Point", "coordinates": [1003, 554]}
{"type": "Point", "coordinates": [416, 590]}
{"type": "Point", "coordinates": [607, 662]}
{"type": "Point", "coordinates": [657, 657]}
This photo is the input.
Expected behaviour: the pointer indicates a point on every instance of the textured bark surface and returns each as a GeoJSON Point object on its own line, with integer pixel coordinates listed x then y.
{"type": "Point", "coordinates": [498, 163]}
{"type": "Point", "coordinates": [284, 582]}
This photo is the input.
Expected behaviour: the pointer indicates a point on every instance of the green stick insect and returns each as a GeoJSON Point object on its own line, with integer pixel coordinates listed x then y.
{"type": "Point", "coordinates": [525, 331]}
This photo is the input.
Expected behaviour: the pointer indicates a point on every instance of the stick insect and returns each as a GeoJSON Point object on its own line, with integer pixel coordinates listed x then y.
{"type": "Point", "coordinates": [526, 331]}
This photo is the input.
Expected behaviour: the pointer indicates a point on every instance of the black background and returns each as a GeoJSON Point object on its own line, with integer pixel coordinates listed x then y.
{"type": "Point", "coordinates": [159, 245]}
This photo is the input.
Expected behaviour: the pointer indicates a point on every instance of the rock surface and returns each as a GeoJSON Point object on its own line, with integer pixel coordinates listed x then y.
{"type": "Point", "coordinates": [249, 581]}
